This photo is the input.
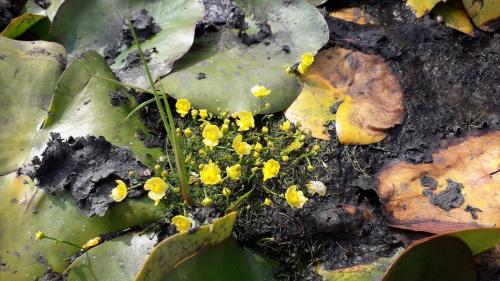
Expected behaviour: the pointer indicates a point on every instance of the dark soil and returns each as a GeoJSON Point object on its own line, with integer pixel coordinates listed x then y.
{"type": "Point", "coordinates": [449, 198]}
{"type": "Point", "coordinates": [220, 14]}
{"type": "Point", "coordinates": [86, 166]}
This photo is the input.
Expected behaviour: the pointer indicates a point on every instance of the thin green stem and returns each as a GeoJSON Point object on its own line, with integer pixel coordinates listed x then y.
{"type": "Point", "coordinates": [63, 241]}
{"type": "Point", "coordinates": [240, 200]}
{"type": "Point", "coordinates": [139, 107]}
{"type": "Point", "coordinates": [271, 192]}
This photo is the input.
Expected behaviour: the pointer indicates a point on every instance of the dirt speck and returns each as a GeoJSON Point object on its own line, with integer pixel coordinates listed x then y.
{"type": "Point", "coordinates": [473, 211]}
{"type": "Point", "coordinates": [449, 198]}
{"type": "Point", "coordinates": [220, 14]}
{"type": "Point", "coordinates": [87, 167]}
{"type": "Point", "coordinates": [118, 97]}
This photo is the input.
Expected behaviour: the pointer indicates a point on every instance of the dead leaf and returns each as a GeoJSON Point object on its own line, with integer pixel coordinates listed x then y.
{"type": "Point", "coordinates": [353, 14]}
{"type": "Point", "coordinates": [421, 7]}
{"type": "Point", "coordinates": [460, 189]}
{"type": "Point", "coordinates": [454, 16]}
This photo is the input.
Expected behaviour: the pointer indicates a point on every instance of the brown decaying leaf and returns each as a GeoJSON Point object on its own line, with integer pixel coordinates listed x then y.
{"type": "Point", "coordinates": [373, 100]}
{"type": "Point", "coordinates": [474, 163]}
{"type": "Point", "coordinates": [353, 14]}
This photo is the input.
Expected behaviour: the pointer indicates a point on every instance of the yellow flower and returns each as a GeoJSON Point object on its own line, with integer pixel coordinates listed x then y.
{"type": "Point", "coordinates": [245, 121]}
{"type": "Point", "coordinates": [210, 174]}
{"type": "Point", "coordinates": [257, 147]}
{"type": "Point", "coordinates": [203, 113]}
{"type": "Point", "coordinates": [318, 187]}
{"type": "Point", "coordinates": [188, 132]}
{"type": "Point", "coordinates": [226, 192]}
{"type": "Point", "coordinates": [207, 202]}
{"type": "Point", "coordinates": [306, 60]}
{"type": "Point", "coordinates": [194, 113]}
{"type": "Point", "coordinates": [234, 172]}
{"type": "Point", "coordinates": [39, 235]}
{"type": "Point", "coordinates": [211, 135]}
{"type": "Point", "coordinates": [271, 169]}
{"type": "Point", "coordinates": [157, 189]}
{"type": "Point", "coordinates": [295, 145]}
{"type": "Point", "coordinates": [260, 91]}
{"type": "Point", "coordinates": [225, 128]}
{"type": "Point", "coordinates": [182, 224]}
{"type": "Point", "coordinates": [285, 126]}
{"type": "Point", "coordinates": [265, 130]}
{"type": "Point", "coordinates": [182, 106]}
{"type": "Point", "coordinates": [295, 199]}
{"type": "Point", "coordinates": [119, 192]}
{"type": "Point", "coordinates": [241, 147]}
{"type": "Point", "coordinates": [267, 202]}
{"type": "Point", "coordinates": [91, 243]}
{"type": "Point", "coordinates": [285, 158]}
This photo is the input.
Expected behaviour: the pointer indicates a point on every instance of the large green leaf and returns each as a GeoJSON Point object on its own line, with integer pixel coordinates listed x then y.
{"type": "Point", "coordinates": [81, 106]}
{"type": "Point", "coordinates": [24, 210]}
{"type": "Point", "coordinates": [118, 259]}
{"type": "Point", "coordinates": [232, 68]}
{"type": "Point", "coordinates": [29, 72]}
{"type": "Point", "coordinates": [166, 255]}
{"type": "Point", "coordinates": [82, 25]}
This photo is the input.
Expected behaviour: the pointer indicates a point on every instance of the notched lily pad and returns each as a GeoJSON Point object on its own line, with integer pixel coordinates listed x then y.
{"type": "Point", "coordinates": [231, 68]}
{"type": "Point", "coordinates": [167, 27]}
{"type": "Point", "coordinates": [460, 189]}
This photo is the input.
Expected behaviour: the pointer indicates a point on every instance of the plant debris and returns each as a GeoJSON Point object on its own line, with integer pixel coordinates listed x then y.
{"type": "Point", "coordinates": [220, 14]}
{"type": "Point", "coordinates": [87, 167]}
{"type": "Point", "coordinates": [449, 198]}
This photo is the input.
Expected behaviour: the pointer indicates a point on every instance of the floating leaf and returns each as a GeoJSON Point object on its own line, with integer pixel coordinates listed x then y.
{"type": "Point", "coordinates": [82, 105]}
{"type": "Point", "coordinates": [363, 272]}
{"type": "Point", "coordinates": [422, 7]}
{"type": "Point", "coordinates": [170, 252]}
{"type": "Point", "coordinates": [36, 66]}
{"type": "Point", "coordinates": [228, 68]}
{"type": "Point", "coordinates": [317, 2]}
{"type": "Point", "coordinates": [19, 25]}
{"type": "Point", "coordinates": [454, 16]}
{"type": "Point", "coordinates": [77, 27]}
{"type": "Point", "coordinates": [353, 14]}
{"type": "Point", "coordinates": [26, 209]}
{"type": "Point", "coordinates": [485, 14]}
{"type": "Point", "coordinates": [459, 189]}
{"type": "Point", "coordinates": [118, 259]}
{"type": "Point", "coordinates": [372, 98]}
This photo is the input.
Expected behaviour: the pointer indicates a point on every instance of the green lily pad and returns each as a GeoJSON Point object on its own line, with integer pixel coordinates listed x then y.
{"type": "Point", "coordinates": [166, 255]}
{"type": "Point", "coordinates": [485, 14]}
{"type": "Point", "coordinates": [19, 25]}
{"type": "Point", "coordinates": [26, 209]}
{"type": "Point", "coordinates": [29, 73]}
{"type": "Point", "coordinates": [225, 261]}
{"type": "Point", "coordinates": [81, 106]}
{"type": "Point", "coordinates": [77, 27]}
{"type": "Point", "coordinates": [230, 68]}
{"type": "Point", "coordinates": [118, 259]}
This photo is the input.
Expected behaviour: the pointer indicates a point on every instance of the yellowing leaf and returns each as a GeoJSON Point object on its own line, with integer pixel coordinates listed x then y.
{"type": "Point", "coordinates": [424, 197]}
{"type": "Point", "coordinates": [454, 16]}
{"type": "Point", "coordinates": [485, 14]}
{"type": "Point", "coordinates": [422, 7]}
{"type": "Point", "coordinates": [353, 14]}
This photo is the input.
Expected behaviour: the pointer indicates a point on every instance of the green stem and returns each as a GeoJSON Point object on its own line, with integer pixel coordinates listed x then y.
{"type": "Point", "coordinates": [64, 242]}
{"type": "Point", "coordinates": [271, 192]}
{"type": "Point", "coordinates": [240, 200]}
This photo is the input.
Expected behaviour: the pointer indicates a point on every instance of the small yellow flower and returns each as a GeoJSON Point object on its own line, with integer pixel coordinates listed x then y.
{"type": "Point", "coordinates": [285, 158]}
{"type": "Point", "coordinates": [270, 169]}
{"type": "Point", "coordinates": [315, 148]}
{"type": "Point", "coordinates": [225, 128]}
{"type": "Point", "coordinates": [207, 202]}
{"type": "Point", "coordinates": [310, 168]}
{"type": "Point", "coordinates": [286, 126]}
{"type": "Point", "coordinates": [182, 106]}
{"type": "Point", "coordinates": [295, 145]}
{"type": "Point", "coordinates": [157, 189]}
{"type": "Point", "coordinates": [318, 187]}
{"type": "Point", "coordinates": [188, 132]}
{"type": "Point", "coordinates": [210, 174]}
{"type": "Point", "coordinates": [91, 243]}
{"type": "Point", "coordinates": [295, 199]}
{"type": "Point", "coordinates": [227, 121]}
{"type": "Point", "coordinates": [203, 113]}
{"type": "Point", "coordinates": [257, 147]}
{"type": "Point", "coordinates": [234, 172]}
{"type": "Point", "coordinates": [260, 91]}
{"type": "Point", "coordinates": [306, 60]}
{"type": "Point", "coordinates": [245, 121]}
{"type": "Point", "coordinates": [119, 192]}
{"type": "Point", "coordinates": [194, 113]}
{"type": "Point", "coordinates": [182, 223]}
{"type": "Point", "coordinates": [234, 115]}
{"type": "Point", "coordinates": [267, 202]}
{"type": "Point", "coordinates": [211, 135]}
{"type": "Point", "coordinates": [39, 235]}
{"type": "Point", "coordinates": [226, 192]}
{"type": "Point", "coordinates": [265, 130]}
{"type": "Point", "coordinates": [241, 147]}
